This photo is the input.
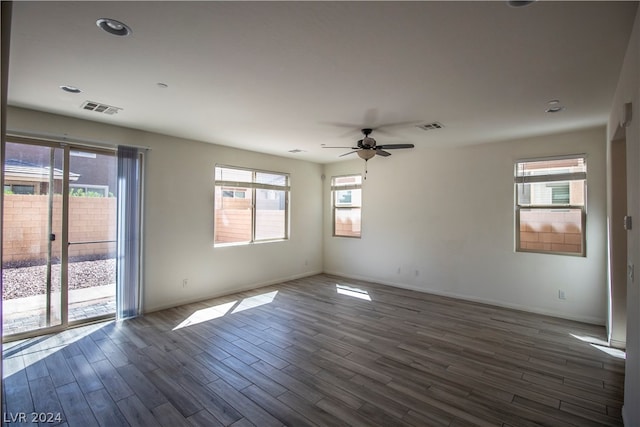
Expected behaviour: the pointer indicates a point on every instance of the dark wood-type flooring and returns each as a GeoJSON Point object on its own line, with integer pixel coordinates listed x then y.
{"type": "Point", "coordinates": [307, 352]}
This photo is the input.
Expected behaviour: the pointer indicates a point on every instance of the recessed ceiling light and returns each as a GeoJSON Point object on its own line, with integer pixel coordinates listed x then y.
{"type": "Point", "coordinates": [520, 3]}
{"type": "Point", "coordinates": [554, 106]}
{"type": "Point", "coordinates": [114, 27]}
{"type": "Point", "coordinates": [70, 89]}
{"type": "Point", "coordinates": [554, 109]}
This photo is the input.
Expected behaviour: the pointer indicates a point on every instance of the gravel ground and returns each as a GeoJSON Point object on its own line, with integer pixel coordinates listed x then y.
{"type": "Point", "coordinates": [29, 281]}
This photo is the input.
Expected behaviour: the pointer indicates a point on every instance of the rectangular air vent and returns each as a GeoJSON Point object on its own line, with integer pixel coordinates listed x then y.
{"type": "Point", "coordinates": [100, 108]}
{"type": "Point", "coordinates": [431, 126]}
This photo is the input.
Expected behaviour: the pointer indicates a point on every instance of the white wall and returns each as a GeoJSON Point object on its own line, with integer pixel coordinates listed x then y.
{"type": "Point", "coordinates": [628, 90]}
{"type": "Point", "coordinates": [442, 221]}
{"type": "Point", "coordinates": [179, 213]}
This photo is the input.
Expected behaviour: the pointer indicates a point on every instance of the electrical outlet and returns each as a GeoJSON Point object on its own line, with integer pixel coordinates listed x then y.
{"type": "Point", "coordinates": [185, 283]}
{"type": "Point", "coordinates": [417, 273]}
{"type": "Point", "coordinates": [399, 270]}
{"type": "Point", "coordinates": [561, 294]}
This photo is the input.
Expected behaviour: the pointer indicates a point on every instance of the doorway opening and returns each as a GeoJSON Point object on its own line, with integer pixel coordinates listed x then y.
{"type": "Point", "coordinates": [617, 316]}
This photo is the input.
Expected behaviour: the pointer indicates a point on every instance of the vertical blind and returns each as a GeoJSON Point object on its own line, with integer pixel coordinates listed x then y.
{"type": "Point", "coordinates": [128, 232]}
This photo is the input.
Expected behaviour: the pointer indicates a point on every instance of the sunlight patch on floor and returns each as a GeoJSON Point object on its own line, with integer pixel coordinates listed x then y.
{"type": "Point", "coordinates": [20, 355]}
{"type": "Point", "coordinates": [206, 314]}
{"type": "Point", "coordinates": [601, 345]}
{"type": "Point", "coordinates": [590, 340]}
{"type": "Point", "coordinates": [620, 354]}
{"type": "Point", "coordinates": [255, 301]}
{"type": "Point", "coordinates": [353, 292]}
{"type": "Point", "coordinates": [220, 310]}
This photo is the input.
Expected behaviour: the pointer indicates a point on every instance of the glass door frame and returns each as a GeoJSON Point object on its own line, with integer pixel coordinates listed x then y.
{"type": "Point", "coordinates": [69, 243]}
{"type": "Point", "coordinates": [64, 250]}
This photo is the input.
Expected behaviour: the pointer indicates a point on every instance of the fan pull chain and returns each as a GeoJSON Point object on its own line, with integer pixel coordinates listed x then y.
{"type": "Point", "coordinates": [366, 162]}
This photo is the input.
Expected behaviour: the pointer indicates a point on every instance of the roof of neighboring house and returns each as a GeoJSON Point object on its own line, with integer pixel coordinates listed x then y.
{"type": "Point", "coordinates": [26, 171]}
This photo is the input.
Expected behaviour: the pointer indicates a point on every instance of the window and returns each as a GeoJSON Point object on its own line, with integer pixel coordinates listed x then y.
{"type": "Point", "coordinates": [89, 190]}
{"type": "Point", "coordinates": [19, 189]}
{"type": "Point", "coordinates": [250, 205]}
{"type": "Point", "coordinates": [346, 193]}
{"type": "Point", "coordinates": [231, 193]}
{"type": "Point", "coordinates": [550, 205]}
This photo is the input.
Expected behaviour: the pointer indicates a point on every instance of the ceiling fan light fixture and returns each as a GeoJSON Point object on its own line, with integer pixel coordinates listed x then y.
{"type": "Point", "coordinates": [114, 27]}
{"type": "Point", "coordinates": [366, 154]}
{"type": "Point", "coordinates": [367, 141]}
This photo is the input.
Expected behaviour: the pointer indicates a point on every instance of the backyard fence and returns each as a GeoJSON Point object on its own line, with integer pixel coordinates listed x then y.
{"type": "Point", "coordinates": [26, 233]}
{"type": "Point", "coordinates": [551, 231]}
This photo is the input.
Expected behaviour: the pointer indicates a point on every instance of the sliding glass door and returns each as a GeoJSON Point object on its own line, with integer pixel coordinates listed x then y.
{"type": "Point", "coordinates": [58, 237]}
{"type": "Point", "coordinates": [92, 235]}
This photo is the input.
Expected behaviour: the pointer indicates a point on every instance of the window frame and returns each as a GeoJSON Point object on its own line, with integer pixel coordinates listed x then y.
{"type": "Point", "coordinates": [251, 188]}
{"type": "Point", "coordinates": [552, 178]}
{"type": "Point", "coordinates": [344, 206]}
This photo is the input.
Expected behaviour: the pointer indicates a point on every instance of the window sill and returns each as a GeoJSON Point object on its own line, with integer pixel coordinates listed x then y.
{"type": "Point", "coordinates": [260, 242]}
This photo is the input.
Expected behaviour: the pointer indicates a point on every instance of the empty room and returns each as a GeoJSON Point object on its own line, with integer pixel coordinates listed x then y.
{"type": "Point", "coordinates": [320, 213]}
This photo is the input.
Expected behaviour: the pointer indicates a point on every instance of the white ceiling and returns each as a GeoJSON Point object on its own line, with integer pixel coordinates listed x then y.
{"type": "Point", "coordinates": [277, 76]}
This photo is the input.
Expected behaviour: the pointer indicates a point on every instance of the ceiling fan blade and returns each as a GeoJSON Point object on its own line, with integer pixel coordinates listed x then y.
{"type": "Point", "coordinates": [370, 119]}
{"type": "Point", "coordinates": [389, 128]}
{"type": "Point", "coordinates": [394, 146]}
{"type": "Point", "coordinates": [383, 132]}
{"type": "Point", "coordinates": [382, 153]}
{"type": "Point", "coordinates": [353, 126]}
{"type": "Point", "coordinates": [396, 124]}
{"type": "Point", "coordinates": [353, 148]}
{"type": "Point", "coordinates": [346, 154]}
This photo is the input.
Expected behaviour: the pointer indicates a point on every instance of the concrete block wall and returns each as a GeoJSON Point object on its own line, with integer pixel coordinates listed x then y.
{"type": "Point", "coordinates": [234, 225]}
{"type": "Point", "coordinates": [551, 231]}
{"type": "Point", "coordinates": [347, 225]}
{"type": "Point", "coordinates": [25, 232]}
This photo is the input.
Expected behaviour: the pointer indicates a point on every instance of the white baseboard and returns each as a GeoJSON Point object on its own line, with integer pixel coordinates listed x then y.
{"type": "Point", "coordinates": [620, 345]}
{"type": "Point", "coordinates": [243, 288]}
{"type": "Point", "coordinates": [536, 310]}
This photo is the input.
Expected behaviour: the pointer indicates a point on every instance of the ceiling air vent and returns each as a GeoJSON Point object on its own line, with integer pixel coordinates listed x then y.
{"type": "Point", "coordinates": [100, 108]}
{"type": "Point", "coordinates": [431, 126]}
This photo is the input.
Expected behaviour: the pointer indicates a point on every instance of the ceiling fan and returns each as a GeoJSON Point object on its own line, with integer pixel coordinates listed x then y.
{"type": "Point", "coordinates": [367, 147]}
